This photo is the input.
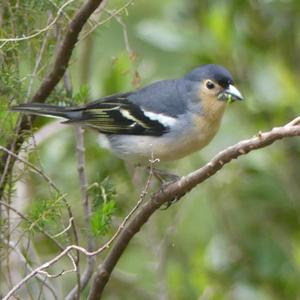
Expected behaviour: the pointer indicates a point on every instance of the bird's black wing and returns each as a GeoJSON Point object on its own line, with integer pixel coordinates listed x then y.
{"type": "Point", "coordinates": [116, 115]}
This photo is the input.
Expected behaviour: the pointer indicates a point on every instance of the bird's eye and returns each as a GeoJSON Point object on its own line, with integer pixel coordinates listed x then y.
{"type": "Point", "coordinates": [210, 85]}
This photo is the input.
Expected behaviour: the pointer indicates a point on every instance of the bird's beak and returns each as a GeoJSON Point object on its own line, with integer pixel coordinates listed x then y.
{"type": "Point", "coordinates": [230, 94]}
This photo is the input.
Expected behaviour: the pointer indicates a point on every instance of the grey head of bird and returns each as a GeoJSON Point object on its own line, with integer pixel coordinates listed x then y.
{"type": "Point", "coordinates": [216, 81]}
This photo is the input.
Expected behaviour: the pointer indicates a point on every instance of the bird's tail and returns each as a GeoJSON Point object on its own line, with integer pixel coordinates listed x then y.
{"type": "Point", "coordinates": [42, 109]}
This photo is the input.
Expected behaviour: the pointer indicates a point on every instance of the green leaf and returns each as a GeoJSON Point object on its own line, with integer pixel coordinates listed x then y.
{"type": "Point", "coordinates": [45, 212]}
{"type": "Point", "coordinates": [104, 206]}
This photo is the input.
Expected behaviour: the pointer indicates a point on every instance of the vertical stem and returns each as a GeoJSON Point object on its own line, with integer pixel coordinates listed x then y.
{"type": "Point", "coordinates": [83, 182]}
{"type": "Point", "coordinates": [87, 213]}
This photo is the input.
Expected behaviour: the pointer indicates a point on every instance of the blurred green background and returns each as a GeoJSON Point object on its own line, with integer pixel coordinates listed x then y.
{"type": "Point", "coordinates": [234, 237]}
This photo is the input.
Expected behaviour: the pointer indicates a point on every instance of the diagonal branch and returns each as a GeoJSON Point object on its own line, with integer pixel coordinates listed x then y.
{"type": "Point", "coordinates": [179, 189]}
{"type": "Point", "coordinates": [50, 81]}
{"type": "Point", "coordinates": [87, 214]}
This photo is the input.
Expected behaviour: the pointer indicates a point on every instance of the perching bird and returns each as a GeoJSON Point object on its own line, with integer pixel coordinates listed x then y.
{"type": "Point", "coordinates": [168, 119]}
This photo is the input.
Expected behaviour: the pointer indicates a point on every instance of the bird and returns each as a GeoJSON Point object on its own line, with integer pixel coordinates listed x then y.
{"type": "Point", "coordinates": [168, 119]}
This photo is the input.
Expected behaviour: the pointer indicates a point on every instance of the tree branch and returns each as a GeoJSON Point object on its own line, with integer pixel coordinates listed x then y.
{"type": "Point", "coordinates": [60, 65]}
{"type": "Point", "coordinates": [179, 189]}
{"type": "Point", "coordinates": [75, 292]}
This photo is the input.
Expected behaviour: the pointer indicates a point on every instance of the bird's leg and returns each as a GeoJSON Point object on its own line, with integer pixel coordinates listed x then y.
{"type": "Point", "coordinates": [165, 179]}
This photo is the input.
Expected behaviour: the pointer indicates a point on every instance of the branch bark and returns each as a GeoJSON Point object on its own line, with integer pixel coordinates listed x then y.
{"type": "Point", "coordinates": [85, 277]}
{"type": "Point", "coordinates": [51, 80]}
{"type": "Point", "coordinates": [179, 189]}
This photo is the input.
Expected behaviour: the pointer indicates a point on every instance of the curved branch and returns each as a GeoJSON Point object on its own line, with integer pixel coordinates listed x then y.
{"type": "Point", "coordinates": [179, 189]}
{"type": "Point", "coordinates": [50, 81]}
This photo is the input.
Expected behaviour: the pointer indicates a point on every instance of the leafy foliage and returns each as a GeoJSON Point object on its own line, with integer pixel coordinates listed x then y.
{"type": "Point", "coordinates": [104, 206]}
{"type": "Point", "coordinates": [43, 213]}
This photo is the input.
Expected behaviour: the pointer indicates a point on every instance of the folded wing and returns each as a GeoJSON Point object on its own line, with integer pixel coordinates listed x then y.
{"type": "Point", "coordinates": [111, 115]}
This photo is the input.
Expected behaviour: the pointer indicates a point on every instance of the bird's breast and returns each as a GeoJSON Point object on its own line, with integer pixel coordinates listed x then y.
{"type": "Point", "coordinates": [191, 137]}
{"type": "Point", "coordinates": [208, 121]}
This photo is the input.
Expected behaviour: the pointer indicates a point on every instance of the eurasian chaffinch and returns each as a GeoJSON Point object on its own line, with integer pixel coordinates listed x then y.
{"type": "Point", "coordinates": [168, 119]}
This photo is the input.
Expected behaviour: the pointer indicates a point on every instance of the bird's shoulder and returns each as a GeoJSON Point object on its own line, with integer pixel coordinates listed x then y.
{"type": "Point", "coordinates": [162, 97]}
{"type": "Point", "coordinates": [159, 97]}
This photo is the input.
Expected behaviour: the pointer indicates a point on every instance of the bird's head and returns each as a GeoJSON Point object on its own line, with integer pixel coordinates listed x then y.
{"type": "Point", "coordinates": [215, 82]}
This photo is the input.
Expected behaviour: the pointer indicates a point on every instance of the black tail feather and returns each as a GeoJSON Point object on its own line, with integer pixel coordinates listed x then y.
{"type": "Point", "coordinates": [42, 109]}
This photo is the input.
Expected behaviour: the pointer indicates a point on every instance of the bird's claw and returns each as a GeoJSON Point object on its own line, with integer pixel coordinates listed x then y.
{"type": "Point", "coordinates": [165, 180]}
{"type": "Point", "coordinates": [164, 177]}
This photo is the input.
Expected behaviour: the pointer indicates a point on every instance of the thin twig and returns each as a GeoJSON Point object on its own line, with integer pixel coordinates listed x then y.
{"type": "Point", "coordinates": [38, 32]}
{"type": "Point", "coordinates": [7, 162]}
{"type": "Point", "coordinates": [50, 183]}
{"type": "Point", "coordinates": [46, 265]}
{"type": "Point", "coordinates": [37, 62]}
{"type": "Point", "coordinates": [69, 90]}
{"type": "Point", "coordinates": [86, 211]}
{"type": "Point", "coordinates": [116, 12]}
{"type": "Point", "coordinates": [29, 222]}
{"type": "Point", "coordinates": [39, 277]}
{"type": "Point", "coordinates": [124, 29]}
{"type": "Point", "coordinates": [65, 230]}
{"type": "Point", "coordinates": [34, 168]}
{"type": "Point", "coordinates": [8, 236]}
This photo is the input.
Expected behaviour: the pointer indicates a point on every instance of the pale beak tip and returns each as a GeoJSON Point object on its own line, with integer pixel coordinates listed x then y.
{"type": "Point", "coordinates": [233, 93]}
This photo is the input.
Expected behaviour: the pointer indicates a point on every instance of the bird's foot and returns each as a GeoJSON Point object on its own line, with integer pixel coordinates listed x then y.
{"type": "Point", "coordinates": [165, 179]}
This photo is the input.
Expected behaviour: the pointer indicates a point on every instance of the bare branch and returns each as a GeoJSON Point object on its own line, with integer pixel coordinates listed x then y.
{"type": "Point", "coordinates": [50, 81]}
{"type": "Point", "coordinates": [116, 12]}
{"type": "Point", "coordinates": [179, 189]}
{"type": "Point", "coordinates": [84, 184]}
{"type": "Point", "coordinates": [65, 230]}
{"type": "Point", "coordinates": [124, 30]}
{"type": "Point", "coordinates": [75, 292]}
{"type": "Point", "coordinates": [37, 62]}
